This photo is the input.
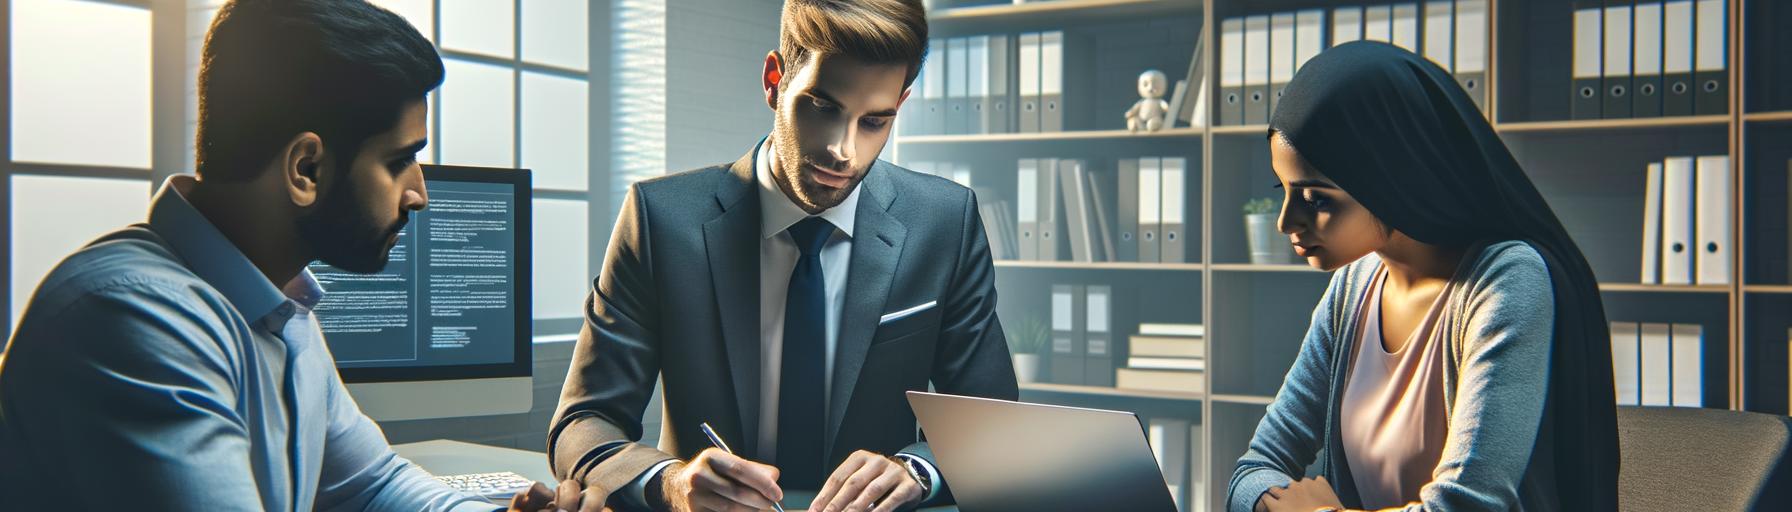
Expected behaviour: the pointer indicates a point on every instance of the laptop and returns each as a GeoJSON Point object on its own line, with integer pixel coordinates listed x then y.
{"type": "Point", "coordinates": [1001, 456]}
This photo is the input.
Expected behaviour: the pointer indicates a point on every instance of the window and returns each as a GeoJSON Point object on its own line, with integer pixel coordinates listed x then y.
{"type": "Point", "coordinates": [80, 83]}
{"type": "Point", "coordinates": [78, 145]}
{"type": "Point", "coordinates": [53, 216]}
{"type": "Point", "coordinates": [517, 94]}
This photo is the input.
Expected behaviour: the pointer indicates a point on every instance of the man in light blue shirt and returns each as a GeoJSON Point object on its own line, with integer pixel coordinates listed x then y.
{"type": "Point", "coordinates": [177, 364]}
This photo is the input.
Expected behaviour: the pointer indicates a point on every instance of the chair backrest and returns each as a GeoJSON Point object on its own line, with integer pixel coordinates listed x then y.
{"type": "Point", "coordinates": [1677, 458]}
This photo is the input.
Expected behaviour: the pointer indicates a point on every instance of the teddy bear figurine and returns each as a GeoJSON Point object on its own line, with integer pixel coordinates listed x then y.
{"type": "Point", "coordinates": [1148, 113]}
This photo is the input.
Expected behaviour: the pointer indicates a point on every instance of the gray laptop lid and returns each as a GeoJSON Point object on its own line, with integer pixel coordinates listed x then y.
{"type": "Point", "coordinates": [1000, 456]}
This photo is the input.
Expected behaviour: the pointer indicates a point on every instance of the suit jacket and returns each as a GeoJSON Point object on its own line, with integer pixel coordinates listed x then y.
{"type": "Point", "coordinates": [678, 300]}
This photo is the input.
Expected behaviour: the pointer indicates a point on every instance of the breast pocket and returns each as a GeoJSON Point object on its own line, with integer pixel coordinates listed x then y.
{"type": "Point", "coordinates": [923, 322]}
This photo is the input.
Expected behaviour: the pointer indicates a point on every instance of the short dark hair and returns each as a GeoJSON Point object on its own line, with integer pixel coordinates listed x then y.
{"type": "Point", "coordinates": [272, 69]}
{"type": "Point", "coordinates": [881, 31]}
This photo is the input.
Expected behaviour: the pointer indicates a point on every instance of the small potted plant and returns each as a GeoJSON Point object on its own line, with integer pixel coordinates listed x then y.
{"type": "Point", "coordinates": [1268, 246]}
{"type": "Point", "coordinates": [1026, 343]}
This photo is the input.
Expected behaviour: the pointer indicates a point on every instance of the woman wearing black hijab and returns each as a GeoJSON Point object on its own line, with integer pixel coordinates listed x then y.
{"type": "Point", "coordinates": [1460, 358]}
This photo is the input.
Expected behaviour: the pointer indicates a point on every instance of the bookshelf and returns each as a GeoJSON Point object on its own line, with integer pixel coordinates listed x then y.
{"type": "Point", "coordinates": [1256, 315]}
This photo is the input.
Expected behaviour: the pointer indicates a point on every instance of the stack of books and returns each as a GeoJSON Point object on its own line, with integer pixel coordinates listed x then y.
{"type": "Point", "coordinates": [1166, 357]}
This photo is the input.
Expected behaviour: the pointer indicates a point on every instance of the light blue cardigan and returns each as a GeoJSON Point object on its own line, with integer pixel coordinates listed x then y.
{"type": "Point", "coordinates": [1498, 323]}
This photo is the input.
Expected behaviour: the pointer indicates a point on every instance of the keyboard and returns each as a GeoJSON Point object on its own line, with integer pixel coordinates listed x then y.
{"type": "Point", "coordinates": [492, 486]}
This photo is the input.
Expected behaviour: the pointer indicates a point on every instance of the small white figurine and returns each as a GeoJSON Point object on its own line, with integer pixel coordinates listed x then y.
{"type": "Point", "coordinates": [1148, 113]}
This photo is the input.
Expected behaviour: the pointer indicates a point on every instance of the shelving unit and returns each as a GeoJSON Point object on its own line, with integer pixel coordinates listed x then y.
{"type": "Point", "coordinates": [1591, 171]}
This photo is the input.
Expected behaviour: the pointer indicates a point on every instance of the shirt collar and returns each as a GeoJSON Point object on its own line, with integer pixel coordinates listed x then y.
{"type": "Point", "coordinates": [217, 261]}
{"type": "Point", "coordinates": [778, 212]}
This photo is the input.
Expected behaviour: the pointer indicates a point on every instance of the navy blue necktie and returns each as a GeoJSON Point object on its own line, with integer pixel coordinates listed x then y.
{"type": "Point", "coordinates": [800, 398]}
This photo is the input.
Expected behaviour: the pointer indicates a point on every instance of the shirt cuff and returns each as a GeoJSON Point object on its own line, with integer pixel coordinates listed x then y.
{"type": "Point", "coordinates": [933, 475]}
{"type": "Point", "coordinates": [475, 506]}
{"type": "Point", "coordinates": [636, 495]}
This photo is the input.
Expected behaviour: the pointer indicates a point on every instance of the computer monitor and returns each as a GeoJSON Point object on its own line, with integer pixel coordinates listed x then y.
{"type": "Point", "coordinates": [444, 330]}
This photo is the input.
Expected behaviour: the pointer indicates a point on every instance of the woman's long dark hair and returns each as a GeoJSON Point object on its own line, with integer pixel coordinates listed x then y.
{"type": "Point", "coordinates": [1397, 133]}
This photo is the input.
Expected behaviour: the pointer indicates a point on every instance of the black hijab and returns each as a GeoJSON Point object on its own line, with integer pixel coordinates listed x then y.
{"type": "Point", "coordinates": [1396, 132]}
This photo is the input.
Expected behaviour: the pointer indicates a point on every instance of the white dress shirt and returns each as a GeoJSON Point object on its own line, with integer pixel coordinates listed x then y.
{"type": "Point", "coordinates": [777, 259]}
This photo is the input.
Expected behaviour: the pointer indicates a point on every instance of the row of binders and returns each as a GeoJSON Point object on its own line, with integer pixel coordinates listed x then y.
{"type": "Point", "coordinates": [1687, 221]}
{"type": "Point", "coordinates": [1082, 321]}
{"type": "Point", "coordinates": [1177, 445]}
{"type": "Point", "coordinates": [1259, 54]}
{"type": "Point", "coordinates": [1066, 209]}
{"type": "Point", "coordinates": [1650, 59]}
{"type": "Point", "coordinates": [1658, 364]}
{"type": "Point", "coordinates": [989, 84]}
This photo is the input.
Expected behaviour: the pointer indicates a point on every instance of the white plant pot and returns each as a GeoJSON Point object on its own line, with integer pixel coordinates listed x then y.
{"type": "Point", "coordinates": [1268, 245]}
{"type": "Point", "coordinates": [1026, 367]}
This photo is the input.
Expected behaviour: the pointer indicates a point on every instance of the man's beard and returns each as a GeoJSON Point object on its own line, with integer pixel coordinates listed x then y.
{"type": "Point", "coordinates": [794, 167]}
{"type": "Point", "coordinates": [344, 238]}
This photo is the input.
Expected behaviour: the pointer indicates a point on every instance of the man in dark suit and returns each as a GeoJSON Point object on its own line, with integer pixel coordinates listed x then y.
{"type": "Point", "coordinates": [788, 299]}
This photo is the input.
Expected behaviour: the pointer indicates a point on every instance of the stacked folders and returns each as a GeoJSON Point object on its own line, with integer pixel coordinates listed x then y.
{"type": "Point", "coordinates": [1650, 59]}
{"type": "Point", "coordinates": [1658, 364]}
{"type": "Point", "coordinates": [988, 84]}
{"type": "Point", "coordinates": [1687, 221]}
{"type": "Point", "coordinates": [1069, 210]}
{"type": "Point", "coordinates": [1259, 54]}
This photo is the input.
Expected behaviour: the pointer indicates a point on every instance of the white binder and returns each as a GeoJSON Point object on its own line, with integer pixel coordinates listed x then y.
{"type": "Point", "coordinates": [1173, 241]}
{"type": "Point", "coordinates": [1051, 82]}
{"type": "Point", "coordinates": [1712, 251]}
{"type": "Point", "coordinates": [1625, 363]}
{"type": "Point", "coordinates": [1645, 85]}
{"type": "Point", "coordinates": [1150, 209]}
{"type": "Point", "coordinates": [1587, 98]}
{"type": "Point", "coordinates": [1026, 200]}
{"type": "Point", "coordinates": [1657, 365]}
{"type": "Point", "coordinates": [1281, 55]}
{"type": "Point", "coordinates": [1615, 65]}
{"type": "Point", "coordinates": [1256, 70]}
{"type": "Point", "coordinates": [1309, 36]}
{"type": "Point", "coordinates": [1711, 59]}
{"type": "Point", "coordinates": [1471, 49]}
{"type": "Point", "coordinates": [933, 92]}
{"type": "Point", "coordinates": [1231, 72]}
{"type": "Point", "coordinates": [1029, 82]}
{"type": "Point", "coordinates": [1689, 372]}
{"type": "Point", "coordinates": [1676, 58]}
{"type": "Point", "coordinates": [1677, 220]}
{"type": "Point", "coordinates": [958, 89]}
{"type": "Point", "coordinates": [1652, 225]}
{"type": "Point", "coordinates": [977, 80]}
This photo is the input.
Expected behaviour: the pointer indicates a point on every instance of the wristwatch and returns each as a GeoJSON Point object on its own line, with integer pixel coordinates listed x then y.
{"type": "Point", "coordinates": [917, 471]}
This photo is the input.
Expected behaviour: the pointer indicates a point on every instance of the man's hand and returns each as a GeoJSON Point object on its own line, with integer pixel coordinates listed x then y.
{"type": "Point", "coordinates": [718, 481]}
{"type": "Point", "coordinates": [537, 498]}
{"type": "Point", "coordinates": [574, 497]}
{"type": "Point", "coordinates": [1302, 496]}
{"type": "Point", "coordinates": [865, 480]}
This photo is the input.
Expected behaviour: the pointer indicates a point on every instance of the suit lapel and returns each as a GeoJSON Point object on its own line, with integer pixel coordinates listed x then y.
{"type": "Point", "coordinates": [876, 250]}
{"type": "Point", "coordinates": [732, 241]}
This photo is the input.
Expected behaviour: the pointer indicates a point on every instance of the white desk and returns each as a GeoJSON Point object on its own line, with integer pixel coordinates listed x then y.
{"type": "Point", "coordinates": [444, 457]}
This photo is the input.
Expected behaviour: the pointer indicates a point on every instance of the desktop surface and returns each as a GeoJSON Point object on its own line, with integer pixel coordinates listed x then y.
{"type": "Point", "coordinates": [444, 457]}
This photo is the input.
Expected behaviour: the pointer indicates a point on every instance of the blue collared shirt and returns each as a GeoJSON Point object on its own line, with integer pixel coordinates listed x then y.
{"type": "Point", "coordinates": [164, 371]}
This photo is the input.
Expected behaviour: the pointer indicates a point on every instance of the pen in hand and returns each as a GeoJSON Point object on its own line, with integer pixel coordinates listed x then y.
{"type": "Point", "coordinates": [722, 445]}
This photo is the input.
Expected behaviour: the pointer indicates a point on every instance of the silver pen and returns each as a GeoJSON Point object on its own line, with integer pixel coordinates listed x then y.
{"type": "Point", "coordinates": [723, 445]}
